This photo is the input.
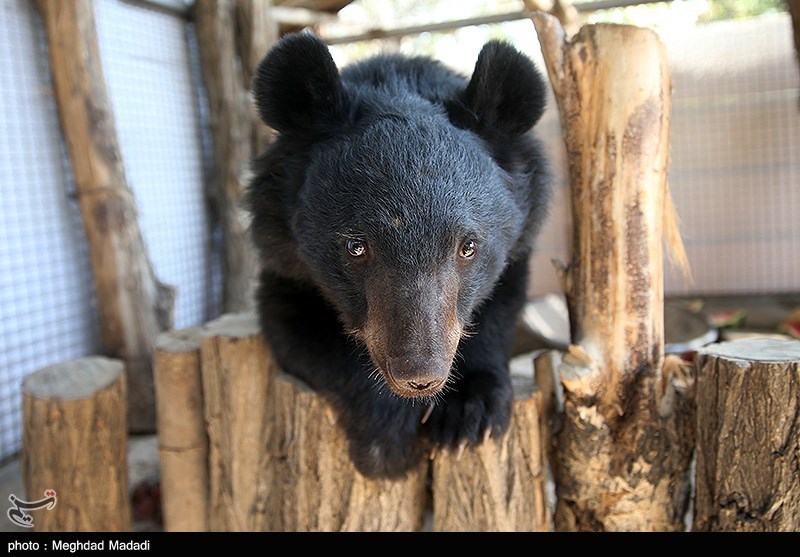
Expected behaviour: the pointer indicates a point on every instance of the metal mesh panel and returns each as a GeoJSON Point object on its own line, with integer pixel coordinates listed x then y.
{"type": "Point", "coordinates": [148, 72]}
{"type": "Point", "coordinates": [735, 149]}
{"type": "Point", "coordinates": [45, 282]}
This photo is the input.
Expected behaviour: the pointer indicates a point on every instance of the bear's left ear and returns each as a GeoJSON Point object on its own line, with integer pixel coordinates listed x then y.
{"type": "Point", "coordinates": [506, 94]}
{"type": "Point", "coordinates": [296, 86]}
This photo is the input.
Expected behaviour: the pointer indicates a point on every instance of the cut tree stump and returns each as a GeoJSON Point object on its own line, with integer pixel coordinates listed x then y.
{"type": "Point", "coordinates": [316, 486]}
{"type": "Point", "coordinates": [238, 371]}
{"type": "Point", "coordinates": [623, 454]}
{"type": "Point", "coordinates": [134, 306]}
{"type": "Point", "coordinates": [748, 436]}
{"type": "Point", "coordinates": [75, 443]}
{"type": "Point", "coordinates": [182, 439]}
{"type": "Point", "coordinates": [498, 486]}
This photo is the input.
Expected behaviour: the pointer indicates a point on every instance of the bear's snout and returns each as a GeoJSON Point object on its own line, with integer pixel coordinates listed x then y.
{"type": "Point", "coordinates": [413, 377]}
{"type": "Point", "coordinates": [412, 332]}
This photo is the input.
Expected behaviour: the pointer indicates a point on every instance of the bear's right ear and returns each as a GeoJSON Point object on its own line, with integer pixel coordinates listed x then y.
{"type": "Point", "coordinates": [505, 95]}
{"type": "Point", "coordinates": [296, 86]}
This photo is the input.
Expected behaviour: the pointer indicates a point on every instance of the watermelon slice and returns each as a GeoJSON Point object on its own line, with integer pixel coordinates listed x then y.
{"type": "Point", "coordinates": [727, 319]}
{"type": "Point", "coordinates": [791, 325]}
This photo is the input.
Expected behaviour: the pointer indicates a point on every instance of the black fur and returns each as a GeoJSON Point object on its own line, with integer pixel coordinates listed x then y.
{"type": "Point", "coordinates": [416, 162]}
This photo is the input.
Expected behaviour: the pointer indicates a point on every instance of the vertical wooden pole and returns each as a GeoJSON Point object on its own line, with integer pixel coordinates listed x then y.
{"type": "Point", "coordinates": [134, 306]}
{"type": "Point", "coordinates": [238, 372]}
{"type": "Point", "coordinates": [257, 32]}
{"type": "Point", "coordinates": [75, 443]}
{"type": "Point", "coordinates": [228, 58]}
{"type": "Point", "coordinates": [623, 454]}
{"type": "Point", "coordinates": [748, 436]}
{"type": "Point", "coordinates": [182, 439]}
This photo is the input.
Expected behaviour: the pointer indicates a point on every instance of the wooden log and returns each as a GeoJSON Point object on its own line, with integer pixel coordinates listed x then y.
{"type": "Point", "coordinates": [238, 370]}
{"type": "Point", "coordinates": [624, 451]}
{"type": "Point", "coordinates": [748, 436]}
{"type": "Point", "coordinates": [134, 306]}
{"type": "Point", "coordinates": [182, 439]}
{"type": "Point", "coordinates": [228, 60]}
{"type": "Point", "coordinates": [75, 443]}
{"type": "Point", "coordinates": [499, 486]}
{"type": "Point", "coordinates": [315, 485]}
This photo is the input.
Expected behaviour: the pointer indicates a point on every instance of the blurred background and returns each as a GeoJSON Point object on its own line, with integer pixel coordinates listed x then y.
{"type": "Point", "coordinates": [734, 171]}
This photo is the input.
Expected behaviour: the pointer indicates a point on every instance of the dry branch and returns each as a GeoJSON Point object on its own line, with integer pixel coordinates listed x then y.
{"type": "Point", "coordinates": [134, 306]}
{"type": "Point", "coordinates": [228, 55]}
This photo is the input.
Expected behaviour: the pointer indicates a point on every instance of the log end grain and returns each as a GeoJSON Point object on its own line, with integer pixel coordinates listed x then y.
{"type": "Point", "coordinates": [73, 380]}
{"type": "Point", "coordinates": [179, 341]}
{"type": "Point", "coordinates": [233, 325]}
{"type": "Point", "coordinates": [755, 350]}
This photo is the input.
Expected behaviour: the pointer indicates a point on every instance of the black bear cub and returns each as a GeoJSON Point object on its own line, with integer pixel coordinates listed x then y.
{"type": "Point", "coordinates": [394, 217]}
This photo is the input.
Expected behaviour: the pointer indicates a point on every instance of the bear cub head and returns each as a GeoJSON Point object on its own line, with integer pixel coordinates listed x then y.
{"type": "Point", "coordinates": [401, 191]}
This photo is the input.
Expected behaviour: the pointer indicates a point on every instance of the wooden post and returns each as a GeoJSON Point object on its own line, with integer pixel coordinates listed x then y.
{"type": "Point", "coordinates": [316, 487]}
{"type": "Point", "coordinates": [500, 485]}
{"type": "Point", "coordinates": [134, 306]}
{"type": "Point", "coordinates": [623, 454]}
{"type": "Point", "coordinates": [748, 436]}
{"type": "Point", "coordinates": [238, 371]}
{"type": "Point", "coordinates": [257, 32]}
{"type": "Point", "coordinates": [75, 443]}
{"type": "Point", "coordinates": [227, 61]}
{"type": "Point", "coordinates": [182, 439]}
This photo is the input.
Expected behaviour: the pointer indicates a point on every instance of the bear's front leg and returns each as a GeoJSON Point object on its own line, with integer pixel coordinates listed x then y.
{"type": "Point", "coordinates": [383, 431]}
{"type": "Point", "coordinates": [477, 401]}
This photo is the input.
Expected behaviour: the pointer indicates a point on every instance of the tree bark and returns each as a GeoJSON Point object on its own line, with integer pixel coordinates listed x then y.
{"type": "Point", "coordinates": [315, 485]}
{"type": "Point", "coordinates": [228, 60]}
{"type": "Point", "coordinates": [182, 439]}
{"type": "Point", "coordinates": [748, 436]}
{"type": "Point", "coordinates": [498, 486]}
{"type": "Point", "coordinates": [623, 455]}
{"type": "Point", "coordinates": [75, 443]}
{"type": "Point", "coordinates": [134, 306]}
{"type": "Point", "coordinates": [238, 372]}
{"type": "Point", "coordinates": [257, 32]}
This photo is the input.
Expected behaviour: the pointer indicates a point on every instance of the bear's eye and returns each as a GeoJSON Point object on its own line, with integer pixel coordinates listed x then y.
{"type": "Point", "coordinates": [357, 248]}
{"type": "Point", "coordinates": [468, 249]}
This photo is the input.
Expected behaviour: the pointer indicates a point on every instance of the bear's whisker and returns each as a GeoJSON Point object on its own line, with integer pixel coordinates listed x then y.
{"type": "Point", "coordinates": [428, 412]}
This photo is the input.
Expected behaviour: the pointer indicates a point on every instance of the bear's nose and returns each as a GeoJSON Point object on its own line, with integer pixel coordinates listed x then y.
{"type": "Point", "coordinates": [422, 386]}
{"type": "Point", "coordinates": [418, 376]}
